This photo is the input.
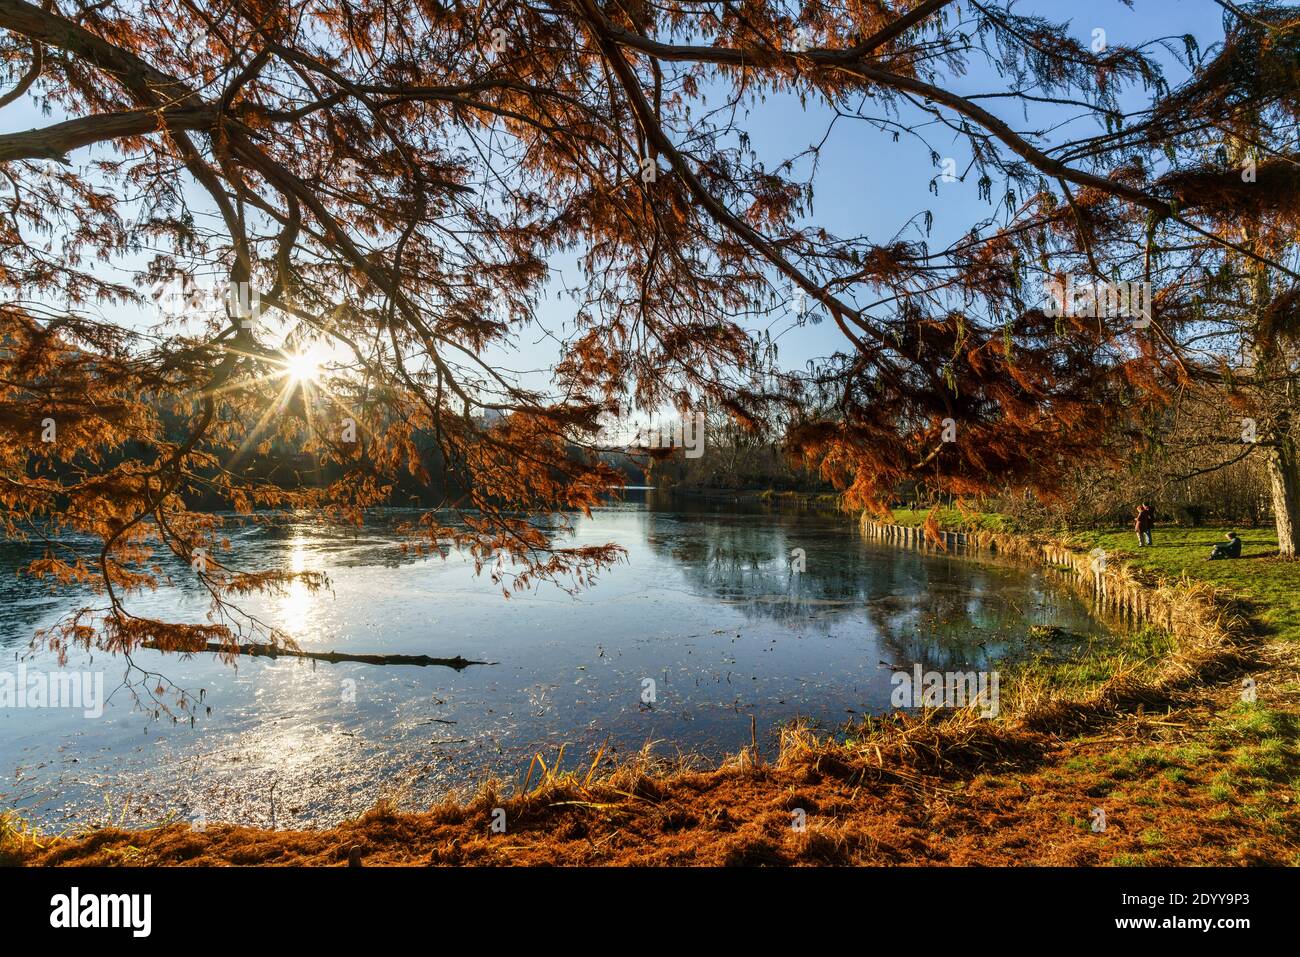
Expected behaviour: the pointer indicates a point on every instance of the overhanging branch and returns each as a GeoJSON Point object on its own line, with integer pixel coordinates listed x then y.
{"type": "Point", "coordinates": [55, 142]}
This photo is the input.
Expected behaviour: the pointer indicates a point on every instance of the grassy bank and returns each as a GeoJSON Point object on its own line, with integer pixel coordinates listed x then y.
{"type": "Point", "coordinates": [1271, 586]}
{"type": "Point", "coordinates": [1151, 731]}
{"type": "Point", "coordinates": [952, 518]}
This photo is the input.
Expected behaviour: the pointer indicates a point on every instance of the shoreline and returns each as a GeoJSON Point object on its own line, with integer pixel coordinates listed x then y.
{"type": "Point", "coordinates": [901, 789]}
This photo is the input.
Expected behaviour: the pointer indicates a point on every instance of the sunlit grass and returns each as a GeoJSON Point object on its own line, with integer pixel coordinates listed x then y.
{"type": "Point", "coordinates": [1270, 584]}
{"type": "Point", "coordinates": [953, 518]}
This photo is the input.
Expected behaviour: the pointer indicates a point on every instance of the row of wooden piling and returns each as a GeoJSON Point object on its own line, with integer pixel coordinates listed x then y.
{"type": "Point", "coordinates": [1114, 591]}
{"type": "Point", "coordinates": [912, 536]}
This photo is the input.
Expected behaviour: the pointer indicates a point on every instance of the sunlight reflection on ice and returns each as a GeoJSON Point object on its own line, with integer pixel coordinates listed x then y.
{"type": "Point", "coordinates": [294, 610]}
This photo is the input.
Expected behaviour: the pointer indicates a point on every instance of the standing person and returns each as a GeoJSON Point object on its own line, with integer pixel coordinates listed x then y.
{"type": "Point", "coordinates": [1143, 523]}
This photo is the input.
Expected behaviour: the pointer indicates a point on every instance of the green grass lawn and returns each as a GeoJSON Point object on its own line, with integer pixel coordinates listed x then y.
{"type": "Point", "coordinates": [1272, 586]}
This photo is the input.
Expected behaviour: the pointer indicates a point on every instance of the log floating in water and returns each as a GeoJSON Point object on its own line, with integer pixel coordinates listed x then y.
{"type": "Point", "coordinates": [258, 650]}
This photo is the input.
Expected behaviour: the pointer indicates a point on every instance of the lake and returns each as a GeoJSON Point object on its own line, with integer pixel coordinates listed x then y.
{"type": "Point", "coordinates": [710, 605]}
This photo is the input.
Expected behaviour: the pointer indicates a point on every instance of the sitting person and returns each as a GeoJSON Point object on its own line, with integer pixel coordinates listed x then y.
{"type": "Point", "coordinates": [1229, 549]}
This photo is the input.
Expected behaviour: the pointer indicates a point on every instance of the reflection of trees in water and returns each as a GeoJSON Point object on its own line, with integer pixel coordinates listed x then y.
{"type": "Point", "coordinates": [747, 563]}
{"type": "Point", "coordinates": [951, 649]}
{"type": "Point", "coordinates": [925, 607]}
{"type": "Point", "coordinates": [968, 615]}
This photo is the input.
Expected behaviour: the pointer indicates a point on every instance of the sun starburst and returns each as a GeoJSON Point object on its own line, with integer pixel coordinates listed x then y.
{"type": "Point", "coordinates": [302, 367]}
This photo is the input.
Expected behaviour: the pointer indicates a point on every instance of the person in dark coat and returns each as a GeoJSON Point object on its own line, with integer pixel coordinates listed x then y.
{"type": "Point", "coordinates": [1143, 523]}
{"type": "Point", "coordinates": [1229, 549]}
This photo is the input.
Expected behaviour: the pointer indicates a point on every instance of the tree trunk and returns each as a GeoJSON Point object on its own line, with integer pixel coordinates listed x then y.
{"type": "Point", "coordinates": [1284, 482]}
{"type": "Point", "coordinates": [1274, 365]}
